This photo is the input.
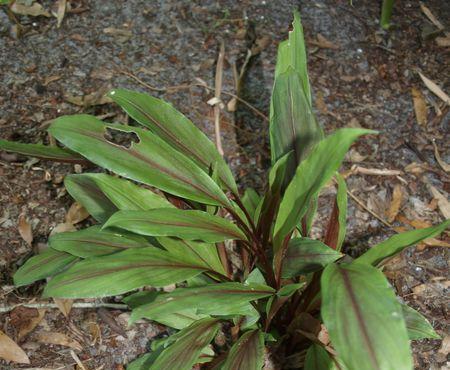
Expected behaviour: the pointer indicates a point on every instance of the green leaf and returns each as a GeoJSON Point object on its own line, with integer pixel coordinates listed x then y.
{"type": "Point", "coordinates": [418, 326]}
{"type": "Point", "coordinates": [94, 241]}
{"type": "Point", "coordinates": [216, 299]}
{"type": "Point", "coordinates": [175, 129]}
{"type": "Point", "coordinates": [119, 273]}
{"type": "Point", "coordinates": [184, 224]}
{"type": "Point", "coordinates": [52, 153]}
{"type": "Point", "coordinates": [202, 254]}
{"type": "Point", "coordinates": [292, 53]}
{"type": "Point", "coordinates": [311, 175]}
{"type": "Point", "coordinates": [148, 160]}
{"type": "Point", "coordinates": [177, 320]}
{"type": "Point", "coordinates": [317, 358]}
{"type": "Point", "coordinates": [293, 125]}
{"type": "Point", "coordinates": [307, 255]}
{"type": "Point", "coordinates": [85, 191]}
{"type": "Point", "coordinates": [41, 266]}
{"type": "Point", "coordinates": [143, 362]}
{"type": "Point", "coordinates": [397, 243]}
{"type": "Point", "coordinates": [184, 353]}
{"type": "Point", "coordinates": [247, 353]}
{"type": "Point", "coordinates": [364, 318]}
{"type": "Point", "coordinates": [251, 201]}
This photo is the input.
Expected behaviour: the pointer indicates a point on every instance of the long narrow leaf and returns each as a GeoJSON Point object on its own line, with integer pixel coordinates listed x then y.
{"type": "Point", "coordinates": [184, 224]}
{"type": "Point", "coordinates": [311, 175]}
{"type": "Point", "coordinates": [247, 353]}
{"type": "Point", "coordinates": [43, 265]}
{"type": "Point", "coordinates": [397, 243]}
{"type": "Point", "coordinates": [119, 273]}
{"type": "Point", "coordinates": [364, 318]}
{"type": "Point", "coordinates": [51, 153]}
{"type": "Point", "coordinates": [307, 255]}
{"type": "Point", "coordinates": [218, 299]}
{"type": "Point", "coordinates": [203, 254]}
{"type": "Point", "coordinates": [418, 326]}
{"type": "Point", "coordinates": [149, 160]}
{"type": "Point", "coordinates": [293, 125]}
{"type": "Point", "coordinates": [317, 358]}
{"type": "Point", "coordinates": [337, 224]}
{"type": "Point", "coordinates": [175, 129]}
{"type": "Point", "coordinates": [185, 352]}
{"type": "Point", "coordinates": [94, 241]}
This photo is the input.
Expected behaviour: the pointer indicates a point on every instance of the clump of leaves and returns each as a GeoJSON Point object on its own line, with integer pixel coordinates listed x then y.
{"type": "Point", "coordinates": [244, 266]}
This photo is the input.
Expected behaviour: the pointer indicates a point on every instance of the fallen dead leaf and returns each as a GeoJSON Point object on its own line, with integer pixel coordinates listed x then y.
{"type": "Point", "coordinates": [374, 171]}
{"type": "Point", "coordinates": [431, 16]}
{"type": "Point", "coordinates": [77, 360]}
{"type": "Point", "coordinates": [10, 351]}
{"type": "Point", "coordinates": [394, 207]}
{"type": "Point", "coordinates": [62, 228]}
{"type": "Point", "coordinates": [444, 166]}
{"type": "Point", "coordinates": [58, 339]}
{"type": "Point", "coordinates": [435, 89]}
{"type": "Point", "coordinates": [64, 305]}
{"type": "Point", "coordinates": [60, 13]}
{"type": "Point", "coordinates": [28, 325]}
{"type": "Point", "coordinates": [420, 106]}
{"type": "Point", "coordinates": [433, 242]}
{"type": "Point", "coordinates": [34, 10]}
{"type": "Point", "coordinates": [76, 213]}
{"type": "Point", "coordinates": [445, 347]}
{"type": "Point", "coordinates": [121, 35]}
{"type": "Point", "coordinates": [443, 41]}
{"type": "Point", "coordinates": [95, 98]}
{"type": "Point", "coordinates": [443, 203]}
{"type": "Point", "coordinates": [355, 156]}
{"type": "Point", "coordinates": [25, 230]}
{"type": "Point", "coordinates": [50, 79]}
{"type": "Point", "coordinates": [323, 43]}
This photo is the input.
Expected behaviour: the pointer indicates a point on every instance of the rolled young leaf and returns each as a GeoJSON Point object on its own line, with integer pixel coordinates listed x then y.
{"type": "Point", "coordinates": [293, 125]}
{"type": "Point", "coordinates": [247, 353]}
{"type": "Point", "coordinates": [184, 224]}
{"type": "Point", "coordinates": [218, 299]}
{"type": "Point", "coordinates": [175, 129]}
{"type": "Point", "coordinates": [184, 353]}
{"type": "Point", "coordinates": [395, 244]}
{"type": "Point", "coordinates": [119, 273]}
{"type": "Point", "coordinates": [94, 241]}
{"type": "Point", "coordinates": [307, 255]}
{"type": "Point", "coordinates": [43, 265]}
{"type": "Point", "coordinates": [52, 153]}
{"type": "Point", "coordinates": [311, 175]}
{"type": "Point", "coordinates": [364, 318]}
{"type": "Point", "coordinates": [149, 160]}
{"type": "Point", "coordinates": [417, 325]}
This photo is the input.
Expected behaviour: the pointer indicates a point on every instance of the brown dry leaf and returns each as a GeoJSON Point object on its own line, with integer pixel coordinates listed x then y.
{"type": "Point", "coordinates": [62, 4]}
{"type": "Point", "coordinates": [29, 326]}
{"type": "Point", "coordinates": [62, 228]}
{"type": "Point", "coordinates": [431, 16]}
{"type": "Point", "coordinates": [323, 43]}
{"type": "Point", "coordinates": [445, 347]}
{"type": "Point", "coordinates": [433, 242]}
{"type": "Point", "coordinates": [420, 106]}
{"type": "Point", "coordinates": [435, 89]}
{"type": "Point", "coordinates": [48, 80]}
{"type": "Point", "coordinates": [10, 351]}
{"type": "Point", "coordinates": [76, 214]}
{"type": "Point", "coordinates": [58, 339]}
{"type": "Point", "coordinates": [394, 207]}
{"type": "Point", "coordinates": [444, 166]}
{"type": "Point", "coordinates": [355, 156]}
{"type": "Point", "coordinates": [64, 305]}
{"type": "Point", "coordinates": [34, 10]}
{"type": "Point", "coordinates": [443, 203]}
{"type": "Point", "coordinates": [320, 103]}
{"type": "Point", "coordinates": [121, 35]}
{"type": "Point", "coordinates": [25, 230]}
{"type": "Point", "coordinates": [443, 41]}
{"type": "Point", "coordinates": [375, 171]}
{"type": "Point", "coordinates": [95, 98]}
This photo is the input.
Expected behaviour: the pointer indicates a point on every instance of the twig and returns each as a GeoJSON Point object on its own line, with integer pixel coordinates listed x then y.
{"type": "Point", "coordinates": [217, 93]}
{"type": "Point", "coordinates": [116, 306]}
{"type": "Point", "coordinates": [361, 204]}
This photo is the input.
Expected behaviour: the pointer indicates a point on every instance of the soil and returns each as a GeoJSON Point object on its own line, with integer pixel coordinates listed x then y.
{"type": "Point", "coordinates": [360, 74]}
